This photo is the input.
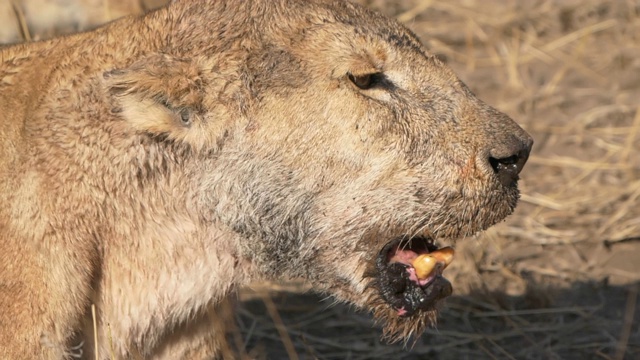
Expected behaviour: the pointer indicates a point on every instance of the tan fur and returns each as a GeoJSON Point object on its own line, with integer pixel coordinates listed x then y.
{"type": "Point", "coordinates": [154, 165]}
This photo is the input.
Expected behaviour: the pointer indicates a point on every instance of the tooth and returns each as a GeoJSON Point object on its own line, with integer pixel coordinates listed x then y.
{"type": "Point", "coordinates": [425, 263]}
{"type": "Point", "coordinates": [444, 255]}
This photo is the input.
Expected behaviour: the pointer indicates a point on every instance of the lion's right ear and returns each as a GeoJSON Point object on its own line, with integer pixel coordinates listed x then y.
{"type": "Point", "coordinates": [162, 95]}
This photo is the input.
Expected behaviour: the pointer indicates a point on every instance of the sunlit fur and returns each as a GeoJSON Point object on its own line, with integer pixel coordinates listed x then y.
{"type": "Point", "coordinates": [155, 165]}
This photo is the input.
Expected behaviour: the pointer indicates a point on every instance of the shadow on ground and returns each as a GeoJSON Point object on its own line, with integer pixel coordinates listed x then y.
{"type": "Point", "coordinates": [585, 321]}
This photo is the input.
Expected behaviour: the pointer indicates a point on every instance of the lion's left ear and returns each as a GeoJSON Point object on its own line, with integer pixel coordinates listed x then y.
{"type": "Point", "coordinates": [162, 95]}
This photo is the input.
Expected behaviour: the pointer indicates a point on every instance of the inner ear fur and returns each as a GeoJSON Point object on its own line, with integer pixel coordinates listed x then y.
{"type": "Point", "coordinates": [162, 95]}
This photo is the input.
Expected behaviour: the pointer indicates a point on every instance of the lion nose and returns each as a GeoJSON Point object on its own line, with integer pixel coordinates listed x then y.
{"type": "Point", "coordinates": [508, 159]}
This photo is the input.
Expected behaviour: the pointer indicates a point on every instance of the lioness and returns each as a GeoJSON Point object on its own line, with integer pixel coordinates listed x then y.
{"type": "Point", "coordinates": [153, 166]}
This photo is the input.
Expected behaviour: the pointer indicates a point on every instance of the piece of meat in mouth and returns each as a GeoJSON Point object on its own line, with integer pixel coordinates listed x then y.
{"type": "Point", "coordinates": [410, 274]}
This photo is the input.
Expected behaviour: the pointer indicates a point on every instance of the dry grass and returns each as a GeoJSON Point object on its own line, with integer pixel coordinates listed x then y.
{"type": "Point", "coordinates": [559, 279]}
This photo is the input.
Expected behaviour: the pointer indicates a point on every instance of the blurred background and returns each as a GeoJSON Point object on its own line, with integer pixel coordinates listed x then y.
{"type": "Point", "coordinates": [559, 279]}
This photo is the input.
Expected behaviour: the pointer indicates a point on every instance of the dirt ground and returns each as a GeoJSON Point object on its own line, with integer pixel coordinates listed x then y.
{"type": "Point", "coordinates": [559, 279]}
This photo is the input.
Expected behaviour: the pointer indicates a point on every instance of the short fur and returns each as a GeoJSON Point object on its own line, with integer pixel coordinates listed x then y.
{"type": "Point", "coordinates": [153, 166]}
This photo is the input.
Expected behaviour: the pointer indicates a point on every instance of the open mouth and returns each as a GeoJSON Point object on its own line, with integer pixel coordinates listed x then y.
{"type": "Point", "coordinates": [410, 274]}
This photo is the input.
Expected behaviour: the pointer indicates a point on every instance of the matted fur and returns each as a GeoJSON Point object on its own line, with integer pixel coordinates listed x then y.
{"type": "Point", "coordinates": [153, 166]}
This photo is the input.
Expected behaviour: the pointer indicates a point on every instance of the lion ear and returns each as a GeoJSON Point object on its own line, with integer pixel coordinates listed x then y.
{"type": "Point", "coordinates": [161, 95]}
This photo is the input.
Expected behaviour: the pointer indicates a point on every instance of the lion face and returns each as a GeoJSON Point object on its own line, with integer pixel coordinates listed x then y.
{"type": "Point", "coordinates": [369, 150]}
{"type": "Point", "coordinates": [336, 148]}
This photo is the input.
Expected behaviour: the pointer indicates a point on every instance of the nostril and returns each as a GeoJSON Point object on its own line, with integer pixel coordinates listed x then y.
{"type": "Point", "coordinates": [502, 162]}
{"type": "Point", "coordinates": [508, 168]}
{"type": "Point", "coordinates": [508, 157]}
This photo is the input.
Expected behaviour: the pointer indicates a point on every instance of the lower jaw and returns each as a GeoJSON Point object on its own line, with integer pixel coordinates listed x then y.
{"type": "Point", "coordinates": [397, 287]}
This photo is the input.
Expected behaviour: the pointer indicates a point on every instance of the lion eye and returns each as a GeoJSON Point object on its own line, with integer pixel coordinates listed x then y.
{"type": "Point", "coordinates": [363, 82]}
{"type": "Point", "coordinates": [185, 117]}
